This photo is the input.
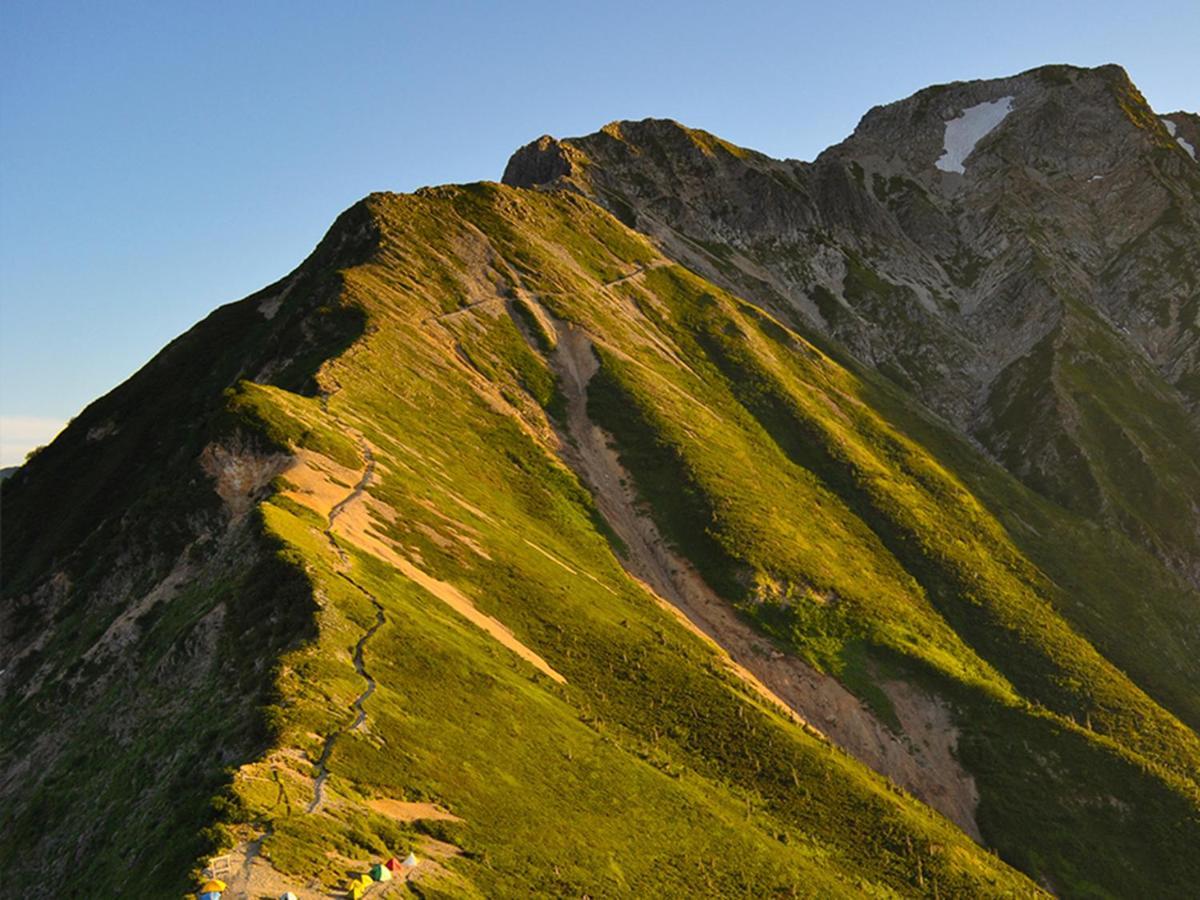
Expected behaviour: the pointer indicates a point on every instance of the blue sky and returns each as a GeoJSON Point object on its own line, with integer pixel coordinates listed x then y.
{"type": "Point", "coordinates": [159, 159]}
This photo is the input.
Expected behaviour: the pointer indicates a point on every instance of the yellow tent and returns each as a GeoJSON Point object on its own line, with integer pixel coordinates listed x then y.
{"type": "Point", "coordinates": [356, 890]}
{"type": "Point", "coordinates": [213, 884]}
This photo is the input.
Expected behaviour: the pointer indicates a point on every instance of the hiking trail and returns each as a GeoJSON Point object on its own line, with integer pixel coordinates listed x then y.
{"type": "Point", "coordinates": [360, 667]}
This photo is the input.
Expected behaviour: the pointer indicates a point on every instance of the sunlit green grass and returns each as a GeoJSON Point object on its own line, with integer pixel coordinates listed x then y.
{"type": "Point", "coordinates": [850, 528]}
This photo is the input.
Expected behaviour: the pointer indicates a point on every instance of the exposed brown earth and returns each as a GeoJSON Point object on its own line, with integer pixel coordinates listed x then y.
{"type": "Point", "coordinates": [403, 811]}
{"type": "Point", "coordinates": [921, 760]}
{"type": "Point", "coordinates": [313, 477]}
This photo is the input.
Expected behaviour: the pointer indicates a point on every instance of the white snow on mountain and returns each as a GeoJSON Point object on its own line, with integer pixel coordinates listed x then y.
{"type": "Point", "coordinates": [968, 129]}
{"type": "Point", "coordinates": [1170, 126]}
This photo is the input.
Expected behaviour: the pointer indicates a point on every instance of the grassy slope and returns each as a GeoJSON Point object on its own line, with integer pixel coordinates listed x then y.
{"type": "Point", "coordinates": [1083, 420]}
{"type": "Point", "coordinates": [651, 771]}
{"type": "Point", "coordinates": [963, 559]}
{"type": "Point", "coordinates": [116, 730]}
{"type": "Point", "coordinates": [794, 488]}
{"type": "Point", "coordinates": [962, 562]}
{"type": "Point", "coordinates": [1138, 614]}
{"type": "Point", "coordinates": [805, 499]}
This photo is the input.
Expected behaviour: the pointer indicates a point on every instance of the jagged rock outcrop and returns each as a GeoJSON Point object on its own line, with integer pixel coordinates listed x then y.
{"type": "Point", "coordinates": [1020, 253]}
{"type": "Point", "coordinates": [573, 550]}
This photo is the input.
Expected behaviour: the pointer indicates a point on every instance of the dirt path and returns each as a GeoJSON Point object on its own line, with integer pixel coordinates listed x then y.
{"type": "Point", "coordinates": [490, 301]}
{"type": "Point", "coordinates": [640, 270]}
{"type": "Point", "coordinates": [255, 877]}
{"type": "Point", "coordinates": [922, 760]}
{"type": "Point", "coordinates": [363, 483]}
{"type": "Point", "coordinates": [362, 669]}
{"type": "Point", "coordinates": [351, 521]}
{"type": "Point", "coordinates": [360, 648]}
{"type": "Point", "coordinates": [239, 881]}
{"type": "Point", "coordinates": [252, 852]}
{"type": "Point", "coordinates": [454, 313]}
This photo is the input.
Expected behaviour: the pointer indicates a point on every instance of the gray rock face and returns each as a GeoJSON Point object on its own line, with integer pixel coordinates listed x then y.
{"type": "Point", "coordinates": [1022, 254]}
{"type": "Point", "coordinates": [538, 162]}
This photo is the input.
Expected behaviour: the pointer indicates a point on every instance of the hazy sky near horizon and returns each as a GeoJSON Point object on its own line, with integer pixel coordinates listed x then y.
{"type": "Point", "coordinates": [160, 159]}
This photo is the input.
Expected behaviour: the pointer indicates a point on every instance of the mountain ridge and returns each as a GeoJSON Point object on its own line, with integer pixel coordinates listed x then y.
{"type": "Point", "coordinates": [501, 508]}
{"type": "Point", "coordinates": [931, 313]}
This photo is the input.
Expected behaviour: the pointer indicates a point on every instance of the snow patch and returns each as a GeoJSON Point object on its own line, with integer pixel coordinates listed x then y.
{"type": "Point", "coordinates": [972, 126]}
{"type": "Point", "coordinates": [1170, 126]}
{"type": "Point", "coordinates": [1096, 178]}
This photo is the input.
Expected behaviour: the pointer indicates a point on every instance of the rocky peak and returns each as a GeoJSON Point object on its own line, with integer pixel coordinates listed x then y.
{"type": "Point", "coordinates": [539, 162]}
{"type": "Point", "coordinates": [1056, 120]}
{"type": "Point", "coordinates": [1185, 128]}
{"type": "Point", "coordinates": [500, 414]}
{"type": "Point", "coordinates": [652, 152]}
{"type": "Point", "coordinates": [973, 240]}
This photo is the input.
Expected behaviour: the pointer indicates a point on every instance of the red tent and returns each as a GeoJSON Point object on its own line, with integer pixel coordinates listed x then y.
{"type": "Point", "coordinates": [392, 865]}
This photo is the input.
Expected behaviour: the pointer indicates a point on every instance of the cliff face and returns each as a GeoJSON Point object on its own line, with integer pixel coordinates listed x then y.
{"type": "Point", "coordinates": [691, 506]}
{"type": "Point", "coordinates": [1021, 254]}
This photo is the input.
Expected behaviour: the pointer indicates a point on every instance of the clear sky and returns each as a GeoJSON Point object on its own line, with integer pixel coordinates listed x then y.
{"type": "Point", "coordinates": [158, 159]}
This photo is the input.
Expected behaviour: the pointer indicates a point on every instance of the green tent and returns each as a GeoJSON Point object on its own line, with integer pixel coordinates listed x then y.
{"type": "Point", "coordinates": [380, 873]}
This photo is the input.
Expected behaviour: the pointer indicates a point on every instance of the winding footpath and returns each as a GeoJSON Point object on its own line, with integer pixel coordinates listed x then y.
{"type": "Point", "coordinates": [640, 270]}
{"type": "Point", "coordinates": [359, 648]}
{"type": "Point", "coordinates": [492, 301]}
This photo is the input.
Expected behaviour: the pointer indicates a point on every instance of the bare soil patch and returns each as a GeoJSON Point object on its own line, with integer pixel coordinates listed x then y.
{"type": "Point", "coordinates": [403, 811]}
{"type": "Point", "coordinates": [921, 760]}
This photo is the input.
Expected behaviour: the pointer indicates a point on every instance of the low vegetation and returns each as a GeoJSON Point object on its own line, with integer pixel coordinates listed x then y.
{"type": "Point", "coordinates": [846, 526]}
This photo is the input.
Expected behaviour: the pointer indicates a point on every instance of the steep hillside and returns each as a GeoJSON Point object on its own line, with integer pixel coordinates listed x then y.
{"type": "Point", "coordinates": [587, 561]}
{"type": "Point", "coordinates": [141, 615]}
{"type": "Point", "coordinates": [1019, 253]}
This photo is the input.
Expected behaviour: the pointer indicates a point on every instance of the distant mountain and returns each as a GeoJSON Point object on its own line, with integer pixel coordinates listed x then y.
{"type": "Point", "coordinates": [666, 521]}
{"type": "Point", "coordinates": [1040, 292]}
